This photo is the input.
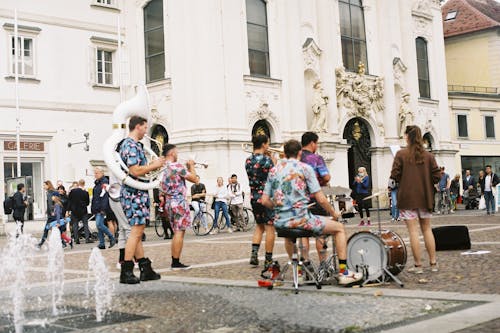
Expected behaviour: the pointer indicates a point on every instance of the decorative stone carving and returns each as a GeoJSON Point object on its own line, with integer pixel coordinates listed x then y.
{"type": "Point", "coordinates": [156, 117]}
{"type": "Point", "coordinates": [359, 95]}
{"type": "Point", "coordinates": [262, 112]}
{"type": "Point", "coordinates": [424, 7]}
{"type": "Point", "coordinates": [422, 27]}
{"type": "Point", "coordinates": [319, 109]}
{"type": "Point", "coordinates": [399, 68]}
{"type": "Point", "coordinates": [406, 115]}
{"type": "Point", "coordinates": [311, 53]}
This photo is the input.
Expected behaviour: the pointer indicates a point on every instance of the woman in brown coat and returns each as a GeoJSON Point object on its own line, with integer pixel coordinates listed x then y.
{"type": "Point", "coordinates": [416, 171]}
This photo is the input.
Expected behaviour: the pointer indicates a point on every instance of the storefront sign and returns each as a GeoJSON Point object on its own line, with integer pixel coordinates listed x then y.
{"type": "Point", "coordinates": [25, 146]}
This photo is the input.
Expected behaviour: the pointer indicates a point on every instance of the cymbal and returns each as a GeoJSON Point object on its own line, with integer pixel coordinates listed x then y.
{"type": "Point", "coordinates": [376, 194]}
{"type": "Point", "coordinates": [335, 190]}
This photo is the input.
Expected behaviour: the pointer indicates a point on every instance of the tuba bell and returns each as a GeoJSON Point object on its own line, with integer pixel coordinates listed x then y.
{"type": "Point", "coordinates": [136, 106]}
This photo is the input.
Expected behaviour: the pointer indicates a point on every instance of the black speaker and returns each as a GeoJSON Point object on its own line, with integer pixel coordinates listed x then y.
{"type": "Point", "coordinates": [452, 237]}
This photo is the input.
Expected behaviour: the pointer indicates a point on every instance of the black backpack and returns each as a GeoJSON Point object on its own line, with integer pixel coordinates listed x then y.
{"type": "Point", "coordinates": [8, 205]}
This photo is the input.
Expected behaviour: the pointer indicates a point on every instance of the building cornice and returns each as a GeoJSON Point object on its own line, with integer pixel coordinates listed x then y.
{"type": "Point", "coordinates": [57, 106]}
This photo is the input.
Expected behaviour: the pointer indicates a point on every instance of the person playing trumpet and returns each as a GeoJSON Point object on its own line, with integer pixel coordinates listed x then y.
{"type": "Point", "coordinates": [136, 202]}
{"type": "Point", "coordinates": [173, 184]}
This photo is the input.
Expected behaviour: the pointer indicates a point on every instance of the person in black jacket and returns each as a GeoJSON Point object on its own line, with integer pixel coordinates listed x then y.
{"type": "Point", "coordinates": [19, 207]}
{"type": "Point", "coordinates": [78, 201]}
{"type": "Point", "coordinates": [100, 204]}
{"type": "Point", "coordinates": [51, 191]}
{"type": "Point", "coordinates": [488, 182]}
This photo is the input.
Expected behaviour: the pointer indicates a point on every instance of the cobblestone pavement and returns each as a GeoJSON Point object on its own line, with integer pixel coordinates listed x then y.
{"type": "Point", "coordinates": [236, 304]}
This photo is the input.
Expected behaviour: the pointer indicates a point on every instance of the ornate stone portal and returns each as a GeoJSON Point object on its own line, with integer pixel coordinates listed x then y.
{"type": "Point", "coordinates": [360, 95]}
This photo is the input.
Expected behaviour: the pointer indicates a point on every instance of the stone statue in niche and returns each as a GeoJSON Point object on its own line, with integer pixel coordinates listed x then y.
{"type": "Point", "coordinates": [406, 115]}
{"type": "Point", "coordinates": [320, 109]}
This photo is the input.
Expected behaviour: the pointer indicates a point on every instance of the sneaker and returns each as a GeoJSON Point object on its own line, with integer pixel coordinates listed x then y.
{"type": "Point", "coordinates": [393, 220]}
{"type": "Point", "coordinates": [230, 230]}
{"type": "Point", "coordinates": [434, 267]}
{"type": "Point", "coordinates": [398, 219]}
{"type": "Point", "coordinates": [101, 247]}
{"type": "Point", "coordinates": [368, 223]}
{"type": "Point", "coordinates": [267, 264]}
{"type": "Point", "coordinates": [118, 265]}
{"type": "Point", "coordinates": [179, 266]}
{"type": "Point", "coordinates": [112, 242]}
{"type": "Point", "coordinates": [452, 211]}
{"type": "Point", "coordinates": [362, 223]}
{"type": "Point", "coordinates": [416, 270]}
{"type": "Point", "coordinates": [214, 231]}
{"type": "Point", "coordinates": [348, 278]}
{"type": "Point", "coordinates": [254, 260]}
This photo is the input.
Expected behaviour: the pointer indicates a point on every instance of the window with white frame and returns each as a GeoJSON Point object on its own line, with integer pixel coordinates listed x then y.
{"type": "Point", "coordinates": [257, 32]}
{"type": "Point", "coordinates": [462, 126]}
{"type": "Point", "coordinates": [104, 67]}
{"type": "Point", "coordinates": [489, 127]}
{"type": "Point", "coordinates": [25, 56]}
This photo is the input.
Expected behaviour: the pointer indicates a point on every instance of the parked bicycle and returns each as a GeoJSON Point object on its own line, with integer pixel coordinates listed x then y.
{"type": "Point", "coordinates": [444, 202]}
{"type": "Point", "coordinates": [203, 221]}
{"type": "Point", "coordinates": [248, 220]}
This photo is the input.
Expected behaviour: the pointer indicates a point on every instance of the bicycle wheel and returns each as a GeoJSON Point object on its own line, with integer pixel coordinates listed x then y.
{"type": "Point", "coordinates": [159, 227]}
{"type": "Point", "coordinates": [248, 219]}
{"type": "Point", "coordinates": [203, 224]}
{"type": "Point", "coordinates": [221, 222]}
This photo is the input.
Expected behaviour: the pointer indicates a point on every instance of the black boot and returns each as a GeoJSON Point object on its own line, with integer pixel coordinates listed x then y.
{"type": "Point", "coordinates": [127, 273]}
{"type": "Point", "coordinates": [147, 272]}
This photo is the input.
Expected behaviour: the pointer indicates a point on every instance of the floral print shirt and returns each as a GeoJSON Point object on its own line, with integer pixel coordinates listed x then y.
{"type": "Point", "coordinates": [289, 184]}
{"type": "Point", "coordinates": [257, 167]}
{"type": "Point", "coordinates": [173, 183]}
{"type": "Point", "coordinates": [132, 153]}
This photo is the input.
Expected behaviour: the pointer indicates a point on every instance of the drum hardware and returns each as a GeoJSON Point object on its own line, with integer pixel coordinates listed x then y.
{"type": "Point", "coordinates": [384, 255]}
{"type": "Point", "coordinates": [336, 190]}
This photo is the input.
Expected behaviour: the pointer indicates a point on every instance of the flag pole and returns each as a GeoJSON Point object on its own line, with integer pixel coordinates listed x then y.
{"type": "Point", "coordinates": [18, 111]}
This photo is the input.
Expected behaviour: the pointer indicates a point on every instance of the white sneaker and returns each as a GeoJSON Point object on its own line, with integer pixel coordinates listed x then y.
{"type": "Point", "coordinates": [350, 278]}
{"type": "Point", "coordinates": [393, 220]}
{"type": "Point", "coordinates": [416, 270]}
{"type": "Point", "coordinates": [118, 265]}
{"type": "Point", "coordinates": [230, 230]}
{"type": "Point", "coordinates": [213, 232]}
{"type": "Point", "coordinates": [434, 267]}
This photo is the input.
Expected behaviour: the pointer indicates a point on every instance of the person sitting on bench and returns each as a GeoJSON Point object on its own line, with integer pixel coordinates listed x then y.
{"type": "Point", "coordinates": [287, 192]}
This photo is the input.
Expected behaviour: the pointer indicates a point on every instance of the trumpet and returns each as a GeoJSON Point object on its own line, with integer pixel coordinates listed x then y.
{"type": "Point", "coordinates": [196, 164]}
{"type": "Point", "coordinates": [248, 149]}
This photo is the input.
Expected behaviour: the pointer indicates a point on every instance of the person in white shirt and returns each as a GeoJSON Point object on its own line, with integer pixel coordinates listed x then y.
{"type": "Point", "coordinates": [221, 197]}
{"type": "Point", "coordinates": [236, 203]}
{"type": "Point", "coordinates": [489, 181]}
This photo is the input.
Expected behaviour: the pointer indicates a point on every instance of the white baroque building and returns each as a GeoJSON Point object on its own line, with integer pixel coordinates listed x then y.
{"type": "Point", "coordinates": [218, 71]}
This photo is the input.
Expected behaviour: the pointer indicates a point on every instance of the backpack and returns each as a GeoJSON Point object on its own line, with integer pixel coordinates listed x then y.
{"type": "Point", "coordinates": [8, 205]}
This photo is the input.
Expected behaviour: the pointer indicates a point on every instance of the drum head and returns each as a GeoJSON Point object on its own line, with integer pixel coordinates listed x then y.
{"type": "Point", "coordinates": [366, 248]}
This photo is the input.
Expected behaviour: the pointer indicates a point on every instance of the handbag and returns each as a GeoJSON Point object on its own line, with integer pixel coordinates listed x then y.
{"type": "Point", "coordinates": [482, 203]}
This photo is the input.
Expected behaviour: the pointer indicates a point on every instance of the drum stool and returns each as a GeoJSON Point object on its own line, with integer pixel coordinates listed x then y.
{"type": "Point", "coordinates": [292, 235]}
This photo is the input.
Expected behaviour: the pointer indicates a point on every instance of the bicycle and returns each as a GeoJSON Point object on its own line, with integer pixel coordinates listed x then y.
{"type": "Point", "coordinates": [203, 221]}
{"type": "Point", "coordinates": [248, 220]}
{"type": "Point", "coordinates": [444, 202]}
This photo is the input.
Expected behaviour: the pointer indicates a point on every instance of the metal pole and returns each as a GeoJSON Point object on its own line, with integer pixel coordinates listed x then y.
{"type": "Point", "coordinates": [18, 112]}
{"type": "Point", "coordinates": [120, 58]}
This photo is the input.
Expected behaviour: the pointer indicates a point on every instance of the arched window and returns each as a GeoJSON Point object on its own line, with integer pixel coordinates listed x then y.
{"type": "Point", "coordinates": [258, 47]}
{"type": "Point", "coordinates": [154, 43]}
{"type": "Point", "coordinates": [353, 37]}
{"type": "Point", "coordinates": [261, 127]}
{"type": "Point", "coordinates": [423, 68]}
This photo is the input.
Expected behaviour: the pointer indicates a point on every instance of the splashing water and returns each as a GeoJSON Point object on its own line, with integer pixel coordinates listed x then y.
{"type": "Point", "coordinates": [16, 257]}
{"type": "Point", "coordinates": [55, 269]}
{"type": "Point", "coordinates": [103, 288]}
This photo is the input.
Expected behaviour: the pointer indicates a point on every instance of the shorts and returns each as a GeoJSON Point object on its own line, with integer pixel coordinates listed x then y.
{"type": "Point", "coordinates": [263, 215]}
{"type": "Point", "coordinates": [313, 223]}
{"type": "Point", "coordinates": [135, 205]}
{"type": "Point", "coordinates": [178, 213]}
{"type": "Point", "coordinates": [413, 214]}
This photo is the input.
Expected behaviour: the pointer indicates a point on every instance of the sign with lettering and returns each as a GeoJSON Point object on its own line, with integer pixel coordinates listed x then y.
{"type": "Point", "coordinates": [25, 146]}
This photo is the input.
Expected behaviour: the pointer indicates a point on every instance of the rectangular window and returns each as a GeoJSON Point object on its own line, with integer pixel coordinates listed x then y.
{"type": "Point", "coordinates": [154, 42]}
{"type": "Point", "coordinates": [423, 68]}
{"type": "Point", "coordinates": [25, 57]}
{"type": "Point", "coordinates": [258, 46]}
{"type": "Point", "coordinates": [353, 36]}
{"type": "Point", "coordinates": [489, 123]}
{"type": "Point", "coordinates": [105, 2]}
{"type": "Point", "coordinates": [462, 126]}
{"type": "Point", "coordinates": [104, 67]}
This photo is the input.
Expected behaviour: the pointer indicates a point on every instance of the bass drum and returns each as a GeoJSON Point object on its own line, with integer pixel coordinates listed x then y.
{"type": "Point", "coordinates": [377, 251]}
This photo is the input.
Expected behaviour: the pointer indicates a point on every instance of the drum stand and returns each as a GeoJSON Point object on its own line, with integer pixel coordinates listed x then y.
{"type": "Point", "coordinates": [386, 274]}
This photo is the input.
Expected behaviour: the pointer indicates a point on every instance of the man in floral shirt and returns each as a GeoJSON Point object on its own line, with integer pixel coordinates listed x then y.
{"type": "Point", "coordinates": [257, 166]}
{"type": "Point", "coordinates": [176, 205]}
{"type": "Point", "coordinates": [135, 203]}
{"type": "Point", "coordinates": [287, 191]}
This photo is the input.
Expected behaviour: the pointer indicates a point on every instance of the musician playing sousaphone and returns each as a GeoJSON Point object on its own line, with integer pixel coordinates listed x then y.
{"type": "Point", "coordinates": [287, 192]}
{"type": "Point", "coordinates": [135, 202]}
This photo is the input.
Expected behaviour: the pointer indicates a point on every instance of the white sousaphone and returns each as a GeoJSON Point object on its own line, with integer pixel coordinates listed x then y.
{"type": "Point", "coordinates": [136, 106]}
